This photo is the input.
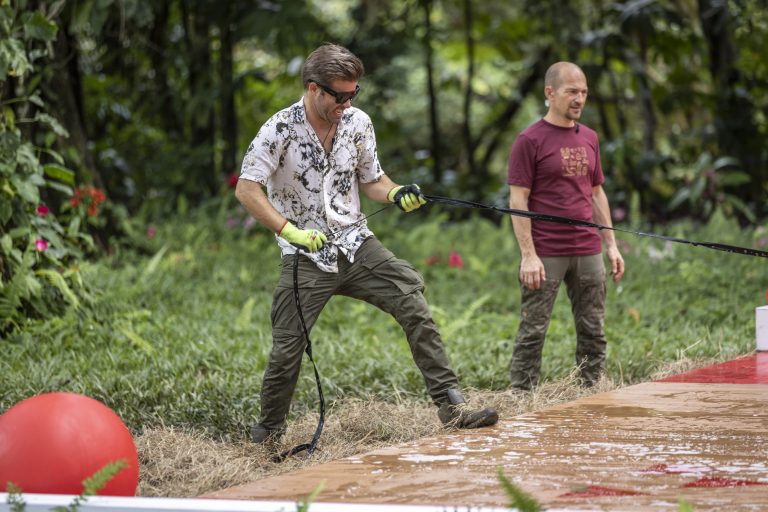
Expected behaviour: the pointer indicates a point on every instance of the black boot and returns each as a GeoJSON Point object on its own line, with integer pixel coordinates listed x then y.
{"type": "Point", "coordinates": [261, 434]}
{"type": "Point", "coordinates": [456, 413]}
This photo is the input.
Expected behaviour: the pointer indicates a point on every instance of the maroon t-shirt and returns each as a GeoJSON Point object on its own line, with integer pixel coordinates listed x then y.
{"type": "Point", "coordinates": [560, 166]}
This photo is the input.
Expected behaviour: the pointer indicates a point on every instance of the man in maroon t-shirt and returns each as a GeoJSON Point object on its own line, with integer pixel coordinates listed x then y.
{"type": "Point", "coordinates": [554, 168]}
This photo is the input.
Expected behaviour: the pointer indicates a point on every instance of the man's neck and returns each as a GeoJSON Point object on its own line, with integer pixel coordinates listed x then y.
{"type": "Point", "coordinates": [317, 122]}
{"type": "Point", "coordinates": [559, 121]}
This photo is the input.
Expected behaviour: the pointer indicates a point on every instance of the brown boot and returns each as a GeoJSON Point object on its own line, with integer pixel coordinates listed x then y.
{"type": "Point", "coordinates": [456, 413]}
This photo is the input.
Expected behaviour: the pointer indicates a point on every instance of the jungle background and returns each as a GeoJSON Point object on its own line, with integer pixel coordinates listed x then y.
{"type": "Point", "coordinates": [130, 273]}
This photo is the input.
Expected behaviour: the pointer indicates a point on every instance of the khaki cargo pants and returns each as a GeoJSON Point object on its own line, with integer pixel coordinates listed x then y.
{"type": "Point", "coordinates": [377, 277]}
{"type": "Point", "coordinates": [584, 278]}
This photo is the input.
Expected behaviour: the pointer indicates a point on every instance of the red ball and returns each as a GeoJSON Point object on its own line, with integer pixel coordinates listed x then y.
{"type": "Point", "coordinates": [51, 443]}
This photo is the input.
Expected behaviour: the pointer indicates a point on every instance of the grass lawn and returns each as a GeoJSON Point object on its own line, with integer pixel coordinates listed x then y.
{"type": "Point", "coordinates": [176, 341]}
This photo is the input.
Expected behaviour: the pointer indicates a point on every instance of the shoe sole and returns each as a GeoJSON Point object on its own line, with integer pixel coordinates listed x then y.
{"type": "Point", "coordinates": [485, 421]}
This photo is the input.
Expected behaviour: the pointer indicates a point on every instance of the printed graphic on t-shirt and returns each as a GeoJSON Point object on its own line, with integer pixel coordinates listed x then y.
{"type": "Point", "coordinates": [575, 161]}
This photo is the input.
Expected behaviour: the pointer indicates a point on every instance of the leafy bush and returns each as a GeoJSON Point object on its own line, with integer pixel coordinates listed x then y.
{"type": "Point", "coordinates": [38, 254]}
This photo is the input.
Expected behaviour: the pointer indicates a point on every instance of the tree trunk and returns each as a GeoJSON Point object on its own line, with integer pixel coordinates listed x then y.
{"type": "Point", "coordinates": [67, 95]}
{"type": "Point", "coordinates": [158, 54]}
{"type": "Point", "coordinates": [737, 132]}
{"type": "Point", "coordinates": [475, 178]}
{"type": "Point", "coordinates": [227, 95]}
{"type": "Point", "coordinates": [200, 116]}
{"type": "Point", "coordinates": [435, 149]}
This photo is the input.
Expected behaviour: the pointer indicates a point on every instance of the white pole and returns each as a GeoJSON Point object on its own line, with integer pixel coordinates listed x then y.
{"type": "Point", "coordinates": [761, 328]}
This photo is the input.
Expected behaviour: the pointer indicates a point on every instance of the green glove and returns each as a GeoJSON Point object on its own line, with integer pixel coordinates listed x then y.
{"type": "Point", "coordinates": [407, 198]}
{"type": "Point", "coordinates": [310, 240]}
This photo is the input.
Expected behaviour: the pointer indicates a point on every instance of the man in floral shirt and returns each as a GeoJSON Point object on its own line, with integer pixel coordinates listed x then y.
{"type": "Point", "coordinates": [314, 158]}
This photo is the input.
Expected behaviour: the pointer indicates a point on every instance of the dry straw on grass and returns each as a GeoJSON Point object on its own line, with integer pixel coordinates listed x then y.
{"type": "Point", "coordinates": [176, 463]}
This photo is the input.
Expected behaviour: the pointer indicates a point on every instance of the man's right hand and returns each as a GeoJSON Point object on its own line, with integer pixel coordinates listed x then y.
{"type": "Point", "coordinates": [532, 272]}
{"type": "Point", "coordinates": [311, 240]}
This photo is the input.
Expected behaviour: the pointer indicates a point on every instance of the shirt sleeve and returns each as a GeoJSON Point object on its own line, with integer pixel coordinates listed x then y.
{"type": "Point", "coordinates": [264, 154]}
{"type": "Point", "coordinates": [368, 167]}
{"type": "Point", "coordinates": [522, 162]}
{"type": "Point", "coordinates": [597, 177]}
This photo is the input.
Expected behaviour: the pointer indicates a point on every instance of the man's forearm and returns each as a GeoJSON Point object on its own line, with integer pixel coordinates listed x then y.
{"type": "Point", "coordinates": [522, 228]}
{"type": "Point", "coordinates": [378, 190]}
{"type": "Point", "coordinates": [253, 199]}
{"type": "Point", "coordinates": [518, 200]}
{"type": "Point", "coordinates": [601, 214]}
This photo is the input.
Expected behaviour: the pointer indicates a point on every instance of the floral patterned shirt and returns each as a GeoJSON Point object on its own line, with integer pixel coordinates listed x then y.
{"type": "Point", "coordinates": [313, 189]}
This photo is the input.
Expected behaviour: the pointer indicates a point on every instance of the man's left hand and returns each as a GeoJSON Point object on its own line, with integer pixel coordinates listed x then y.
{"type": "Point", "coordinates": [407, 197]}
{"type": "Point", "coordinates": [616, 261]}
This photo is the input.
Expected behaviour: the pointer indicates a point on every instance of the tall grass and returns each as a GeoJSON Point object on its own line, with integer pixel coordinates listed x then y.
{"type": "Point", "coordinates": [181, 337]}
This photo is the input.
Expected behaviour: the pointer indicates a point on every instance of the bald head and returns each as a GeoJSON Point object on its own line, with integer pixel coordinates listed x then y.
{"type": "Point", "coordinates": [560, 72]}
{"type": "Point", "coordinates": [565, 88]}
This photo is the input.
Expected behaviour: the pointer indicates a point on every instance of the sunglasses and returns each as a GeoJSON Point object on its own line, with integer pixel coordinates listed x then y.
{"type": "Point", "coordinates": [340, 97]}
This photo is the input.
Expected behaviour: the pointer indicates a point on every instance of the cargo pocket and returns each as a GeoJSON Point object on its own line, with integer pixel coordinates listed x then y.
{"type": "Point", "coordinates": [384, 265]}
{"type": "Point", "coordinates": [307, 273]}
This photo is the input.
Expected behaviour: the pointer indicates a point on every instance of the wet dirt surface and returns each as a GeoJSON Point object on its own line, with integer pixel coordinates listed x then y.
{"type": "Point", "coordinates": [637, 448]}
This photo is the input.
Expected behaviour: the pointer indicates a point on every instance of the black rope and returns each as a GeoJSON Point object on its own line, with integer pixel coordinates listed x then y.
{"type": "Point", "coordinates": [334, 234]}
{"type": "Point", "coordinates": [575, 222]}
{"type": "Point", "coordinates": [312, 445]}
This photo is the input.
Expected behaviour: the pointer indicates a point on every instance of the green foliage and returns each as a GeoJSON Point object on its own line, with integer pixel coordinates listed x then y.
{"type": "Point", "coordinates": [684, 506]}
{"type": "Point", "coordinates": [93, 485]}
{"type": "Point", "coordinates": [38, 255]}
{"type": "Point", "coordinates": [15, 500]}
{"type": "Point", "coordinates": [518, 499]}
{"type": "Point", "coordinates": [304, 504]}
{"type": "Point", "coordinates": [708, 185]}
{"type": "Point", "coordinates": [182, 336]}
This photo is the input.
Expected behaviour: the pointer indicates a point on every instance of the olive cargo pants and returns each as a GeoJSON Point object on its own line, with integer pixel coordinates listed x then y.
{"type": "Point", "coordinates": [584, 278]}
{"type": "Point", "coordinates": [377, 277]}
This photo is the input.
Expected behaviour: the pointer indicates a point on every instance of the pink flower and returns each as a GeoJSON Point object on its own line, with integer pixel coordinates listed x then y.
{"type": "Point", "coordinates": [454, 260]}
{"type": "Point", "coordinates": [232, 180]}
{"type": "Point", "coordinates": [41, 245]}
{"type": "Point", "coordinates": [431, 260]}
{"type": "Point", "coordinates": [43, 210]}
{"type": "Point", "coordinates": [151, 231]}
{"type": "Point", "coordinates": [619, 214]}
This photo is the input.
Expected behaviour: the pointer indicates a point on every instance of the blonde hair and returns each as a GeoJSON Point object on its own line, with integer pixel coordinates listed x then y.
{"type": "Point", "coordinates": [331, 62]}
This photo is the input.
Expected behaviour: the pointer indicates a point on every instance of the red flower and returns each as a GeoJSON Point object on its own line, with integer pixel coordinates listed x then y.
{"type": "Point", "coordinates": [431, 260]}
{"type": "Point", "coordinates": [41, 245]}
{"type": "Point", "coordinates": [454, 260]}
{"type": "Point", "coordinates": [43, 210]}
{"type": "Point", "coordinates": [232, 180]}
{"type": "Point", "coordinates": [151, 231]}
{"type": "Point", "coordinates": [91, 197]}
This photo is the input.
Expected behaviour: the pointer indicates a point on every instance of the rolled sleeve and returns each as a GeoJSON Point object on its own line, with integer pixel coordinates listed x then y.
{"type": "Point", "coordinates": [263, 155]}
{"type": "Point", "coordinates": [368, 167]}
